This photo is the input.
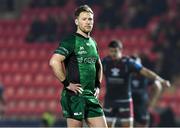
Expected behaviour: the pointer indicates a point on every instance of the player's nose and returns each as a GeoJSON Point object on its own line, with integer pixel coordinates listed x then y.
{"type": "Point", "coordinates": [88, 22]}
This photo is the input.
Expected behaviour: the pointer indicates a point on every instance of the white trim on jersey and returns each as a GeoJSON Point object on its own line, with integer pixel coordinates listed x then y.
{"type": "Point", "coordinates": [125, 100]}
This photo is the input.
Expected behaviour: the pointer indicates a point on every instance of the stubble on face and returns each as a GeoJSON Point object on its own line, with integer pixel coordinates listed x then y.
{"type": "Point", "coordinates": [85, 22]}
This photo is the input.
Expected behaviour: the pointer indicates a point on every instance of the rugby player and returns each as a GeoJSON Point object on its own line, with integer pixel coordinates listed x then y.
{"type": "Point", "coordinates": [142, 98]}
{"type": "Point", "coordinates": [118, 105]}
{"type": "Point", "coordinates": [83, 73]}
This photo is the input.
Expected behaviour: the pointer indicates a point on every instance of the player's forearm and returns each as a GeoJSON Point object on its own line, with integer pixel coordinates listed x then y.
{"type": "Point", "coordinates": [100, 72]}
{"type": "Point", "coordinates": [57, 69]}
{"type": "Point", "coordinates": [156, 92]}
{"type": "Point", "coordinates": [151, 75]}
{"type": "Point", "coordinates": [153, 100]}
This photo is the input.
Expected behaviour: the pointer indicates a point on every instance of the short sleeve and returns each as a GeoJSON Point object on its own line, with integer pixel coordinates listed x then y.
{"type": "Point", "coordinates": [135, 66]}
{"type": "Point", "coordinates": [104, 64]}
{"type": "Point", "coordinates": [96, 47]}
{"type": "Point", "coordinates": [65, 48]}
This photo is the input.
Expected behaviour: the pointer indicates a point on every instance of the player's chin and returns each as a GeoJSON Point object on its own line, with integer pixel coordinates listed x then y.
{"type": "Point", "coordinates": [88, 30]}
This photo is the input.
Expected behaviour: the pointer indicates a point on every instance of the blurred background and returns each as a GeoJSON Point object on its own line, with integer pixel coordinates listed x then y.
{"type": "Point", "coordinates": [31, 29]}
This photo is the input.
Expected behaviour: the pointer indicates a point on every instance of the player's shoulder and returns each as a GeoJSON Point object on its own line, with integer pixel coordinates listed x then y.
{"type": "Point", "coordinates": [106, 59]}
{"type": "Point", "coordinates": [69, 38]}
{"type": "Point", "coordinates": [93, 39]}
{"type": "Point", "coordinates": [125, 59]}
{"type": "Point", "coordinates": [128, 60]}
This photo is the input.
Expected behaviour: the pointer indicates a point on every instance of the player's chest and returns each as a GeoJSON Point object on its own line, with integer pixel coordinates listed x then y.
{"type": "Point", "coordinates": [117, 70]}
{"type": "Point", "coordinates": [85, 48]}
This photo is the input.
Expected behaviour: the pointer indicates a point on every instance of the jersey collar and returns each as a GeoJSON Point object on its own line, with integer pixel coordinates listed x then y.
{"type": "Point", "coordinates": [77, 34]}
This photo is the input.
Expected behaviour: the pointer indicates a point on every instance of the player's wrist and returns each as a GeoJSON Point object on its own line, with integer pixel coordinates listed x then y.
{"type": "Point", "coordinates": [158, 78]}
{"type": "Point", "coordinates": [65, 83]}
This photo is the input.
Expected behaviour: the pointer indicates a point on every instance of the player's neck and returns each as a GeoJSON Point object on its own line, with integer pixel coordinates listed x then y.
{"type": "Point", "coordinates": [87, 35]}
{"type": "Point", "coordinates": [117, 57]}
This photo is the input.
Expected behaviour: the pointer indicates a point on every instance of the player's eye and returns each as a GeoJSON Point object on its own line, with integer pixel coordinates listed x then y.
{"type": "Point", "coordinates": [90, 19]}
{"type": "Point", "coordinates": [84, 19]}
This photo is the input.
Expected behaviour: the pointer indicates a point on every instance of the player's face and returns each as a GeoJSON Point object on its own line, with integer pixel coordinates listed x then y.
{"type": "Point", "coordinates": [115, 53]}
{"type": "Point", "coordinates": [85, 22]}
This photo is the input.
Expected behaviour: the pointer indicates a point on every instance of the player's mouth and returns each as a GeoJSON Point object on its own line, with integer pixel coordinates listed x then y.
{"type": "Point", "coordinates": [88, 27]}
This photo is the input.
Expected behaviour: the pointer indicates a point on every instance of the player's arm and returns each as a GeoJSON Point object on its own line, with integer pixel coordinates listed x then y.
{"type": "Point", "coordinates": [155, 93]}
{"type": "Point", "coordinates": [153, 76]}
{"type": "Point", "coordinates": [56, 63]}
{"type": "Point", "coordinates": [137, 67]}
{"type": "Point", "coordinates": [57, 67]}
{"type": "Point", "coordinates": [99, 76]}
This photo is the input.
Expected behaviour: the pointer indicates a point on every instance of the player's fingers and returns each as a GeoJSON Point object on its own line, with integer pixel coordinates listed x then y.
{"type": "Point", "coordinates": [75, 85]}
{"type": "Point", "coordinates": [167, 83]}
{"type": "Point", "coordinates": [79, 90]}
{"type": "Point", "coordinates": [96, 95]}
{"type": "Point", "coordinates": [79, 85]}
{"type": "Point", "coordinates": [75, 91]}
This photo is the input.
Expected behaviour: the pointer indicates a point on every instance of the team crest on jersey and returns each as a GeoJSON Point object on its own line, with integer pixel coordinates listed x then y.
{"type": "Point", "coordinates": [135, 83]}
{"type": "Point", "coordinates": [115, 71]}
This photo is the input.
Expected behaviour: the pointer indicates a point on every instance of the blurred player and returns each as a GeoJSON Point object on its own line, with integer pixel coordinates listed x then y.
{"type": "Point", "coordinates": [118, 104]}
{"type": "Point", "coordinates": [141, 100]}
{"type": "Point", "coordinates": [83, 73]}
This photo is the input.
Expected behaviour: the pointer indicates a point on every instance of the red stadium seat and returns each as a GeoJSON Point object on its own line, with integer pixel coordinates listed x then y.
{"type": "Point", "coordinates": [7, 79]}
{"type": "Point", "coordinates": [9, 92]}
{"type": "Point", "coordinates": [27, 79]}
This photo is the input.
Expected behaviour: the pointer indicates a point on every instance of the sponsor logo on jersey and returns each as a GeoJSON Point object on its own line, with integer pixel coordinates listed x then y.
{"type": "Point", "coordinates": [77, 113]}
{"type": "Point", "coordinates": [116, 80]}
{"type": "Point", "coordinates": [82, 51]}
{"type": "Point", "coordinates": [81, 48]}
{"type": "Point", "coordinates": [89, 60]}
{"type": "Point", "coordinates": [115, 71]}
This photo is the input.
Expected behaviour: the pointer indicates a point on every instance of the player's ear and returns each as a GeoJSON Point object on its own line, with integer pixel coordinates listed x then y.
{"type": "Point", "coordinates": [76, 21]}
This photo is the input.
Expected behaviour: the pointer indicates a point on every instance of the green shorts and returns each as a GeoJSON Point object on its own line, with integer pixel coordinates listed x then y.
{"type": "Point", "coordinates": [80, 107]}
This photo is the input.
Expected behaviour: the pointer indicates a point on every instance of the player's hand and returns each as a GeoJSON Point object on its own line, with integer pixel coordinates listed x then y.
{"type": "Point", "coordinates": [96, 94]}
{"type": "Point", "coordinates": [76, 88]}
{"type": "Point", "coordinates": [166, 83]}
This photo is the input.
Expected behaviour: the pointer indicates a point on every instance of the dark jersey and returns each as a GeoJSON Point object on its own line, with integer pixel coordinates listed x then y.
{"type": "Point", "coordinates": [139, 86]}
{"type": "Point", "coordinates": [117, 74]}
{"type": "Point", "coordinates": [80, 62]}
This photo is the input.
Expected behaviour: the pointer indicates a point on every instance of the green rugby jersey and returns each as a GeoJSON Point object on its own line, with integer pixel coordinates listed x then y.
{"type": "Point", "coordinates": [81, 59]}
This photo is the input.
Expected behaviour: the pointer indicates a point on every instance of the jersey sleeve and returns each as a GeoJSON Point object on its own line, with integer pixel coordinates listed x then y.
{"type": "Point", "coordinates": [103, 65]}
{"type": "Point", "coordinates": [65, 48]}
{"type": "Point", "coordinates": [134, 66]}
{"type": "Point", "coordinates": [96, 47]}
